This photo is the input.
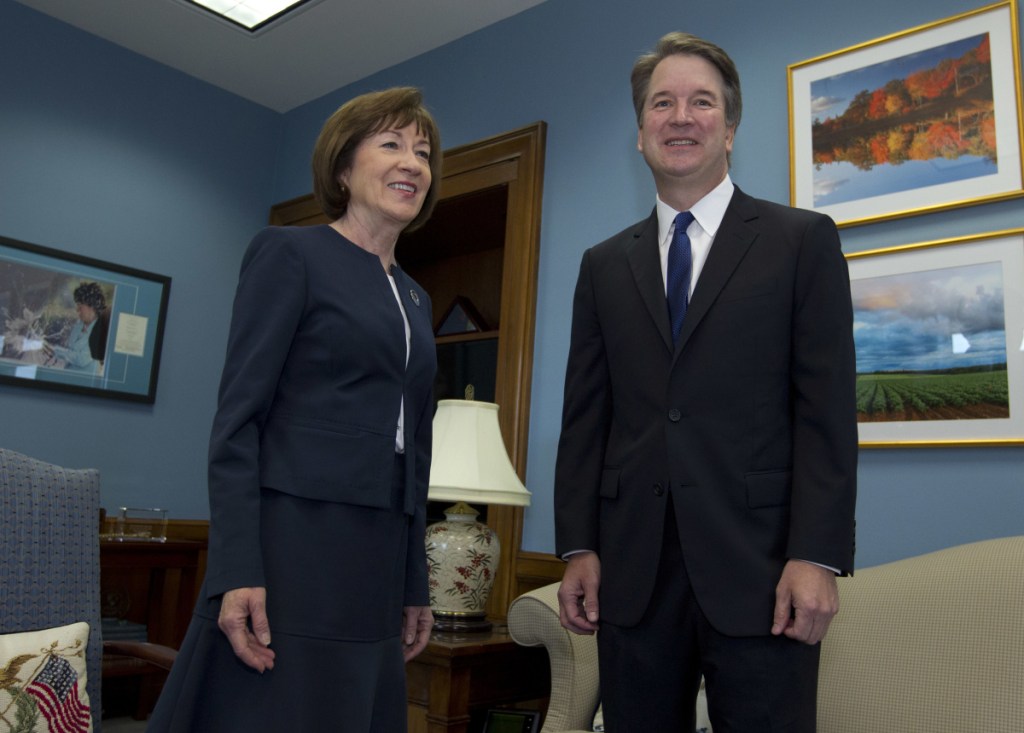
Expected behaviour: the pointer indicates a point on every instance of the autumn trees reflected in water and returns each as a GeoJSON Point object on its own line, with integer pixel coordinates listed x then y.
{"type": "Point", "coordinates": [946, 111]}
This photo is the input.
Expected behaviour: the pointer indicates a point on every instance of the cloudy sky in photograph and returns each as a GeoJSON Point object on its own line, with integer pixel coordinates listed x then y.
{"type": "Point", "coordinates": [933, 319]}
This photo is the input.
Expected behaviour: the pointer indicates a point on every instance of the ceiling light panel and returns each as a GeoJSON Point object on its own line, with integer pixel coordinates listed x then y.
{"type": "Point", "coordinates": [250, 14]}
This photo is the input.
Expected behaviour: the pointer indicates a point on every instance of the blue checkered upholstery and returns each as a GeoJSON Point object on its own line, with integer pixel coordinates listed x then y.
{"type": "Point", "coordinates": [49, 553]}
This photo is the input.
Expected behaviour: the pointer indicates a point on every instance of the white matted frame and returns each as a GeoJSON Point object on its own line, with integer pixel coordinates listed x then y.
{"type": "Point", "coordinates": [939, 333]}
{"type": "Point", "coordinates": [918, 121]}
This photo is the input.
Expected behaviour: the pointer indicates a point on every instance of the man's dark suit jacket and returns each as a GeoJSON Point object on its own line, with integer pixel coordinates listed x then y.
{"type": "Point", "coordinates": [748, 422]}
{"type": "Point", "coordinates": [309, 401]}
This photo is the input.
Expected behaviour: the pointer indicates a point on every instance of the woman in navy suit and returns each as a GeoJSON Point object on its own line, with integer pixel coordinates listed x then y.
{"type": "Point", "coordinates": [316, 588]}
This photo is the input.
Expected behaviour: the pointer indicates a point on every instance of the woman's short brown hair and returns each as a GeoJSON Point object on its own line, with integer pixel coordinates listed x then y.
{"type": "Point", "coordinates": [357, 120]}
{"type": "Point", "coordinates": [686, 44]}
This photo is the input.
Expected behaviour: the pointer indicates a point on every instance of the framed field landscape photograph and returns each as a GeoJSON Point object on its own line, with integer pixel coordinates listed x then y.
{"type": "Point", "coordinates": [922, 120]}
{"type": "Point", "coordinates": [76, 324]}
{"type": "Point", "coordinates": [939, 334]}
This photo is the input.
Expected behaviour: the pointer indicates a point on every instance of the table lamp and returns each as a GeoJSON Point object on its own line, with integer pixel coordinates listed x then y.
{"type": "Point", "coordinates": [469, 464]}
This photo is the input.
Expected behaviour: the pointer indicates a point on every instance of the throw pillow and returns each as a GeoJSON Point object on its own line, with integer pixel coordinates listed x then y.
{"type": "Point", "coordinates": [42, 681]}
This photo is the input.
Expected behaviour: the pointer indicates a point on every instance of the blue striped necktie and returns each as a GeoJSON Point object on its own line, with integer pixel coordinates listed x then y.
{"type": "Point", "coordinates": [680, 265]}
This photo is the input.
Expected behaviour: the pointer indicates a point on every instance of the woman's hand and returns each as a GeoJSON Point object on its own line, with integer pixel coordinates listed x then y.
{"type": "Point", "coordinates": [251, 645]}
{"type": "Point", "coordinates": [417, 621]}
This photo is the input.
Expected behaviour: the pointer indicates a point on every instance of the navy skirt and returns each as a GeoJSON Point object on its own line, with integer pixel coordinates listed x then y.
{"type": "Point", "coordinates": [335, 578]}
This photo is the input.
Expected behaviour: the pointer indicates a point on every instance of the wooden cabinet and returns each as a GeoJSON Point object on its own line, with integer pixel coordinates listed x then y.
{"type": "Point", "coordinates": [152, 583]}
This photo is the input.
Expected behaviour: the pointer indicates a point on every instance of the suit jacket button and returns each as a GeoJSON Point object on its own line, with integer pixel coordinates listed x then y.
{"type": "Point", "coordinates": [674, 415]}
{"type": "Point", "coordinates": [658, 490]}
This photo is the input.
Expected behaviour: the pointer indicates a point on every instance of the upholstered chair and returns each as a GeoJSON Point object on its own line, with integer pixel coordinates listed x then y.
{"type": "Point", "coordinates": [50, 564]}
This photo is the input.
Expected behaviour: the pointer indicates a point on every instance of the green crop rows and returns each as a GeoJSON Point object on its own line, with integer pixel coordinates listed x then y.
{"type": "Point", "coordinates": [885, 393]}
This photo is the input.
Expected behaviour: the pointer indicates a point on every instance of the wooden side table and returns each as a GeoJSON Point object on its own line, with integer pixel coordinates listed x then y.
{"type": "Point", "coordinates": [152, 585]}
{"type": "Point", "coordinates": [459, 676]}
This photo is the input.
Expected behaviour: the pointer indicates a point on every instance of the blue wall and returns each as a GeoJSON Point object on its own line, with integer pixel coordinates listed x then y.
{"type": "Point", "coordinates": [566, 62]}
{"type": "Point", "coordinates": [107, 154]}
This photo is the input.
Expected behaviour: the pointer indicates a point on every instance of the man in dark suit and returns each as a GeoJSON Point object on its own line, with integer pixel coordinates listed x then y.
{"type": "Point", "coordinates": [706, 472]}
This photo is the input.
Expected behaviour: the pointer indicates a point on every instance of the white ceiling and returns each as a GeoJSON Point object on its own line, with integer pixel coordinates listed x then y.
{"type": "Point", "coordinates": [324, 46]}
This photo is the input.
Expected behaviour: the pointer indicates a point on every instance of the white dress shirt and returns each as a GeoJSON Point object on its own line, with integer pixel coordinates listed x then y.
{"type": "Point", "coordinates": [707, 217]}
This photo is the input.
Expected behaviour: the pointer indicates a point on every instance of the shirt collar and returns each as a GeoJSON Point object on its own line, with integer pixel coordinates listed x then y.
{"type": "Point", "coordinates": [708, 212]}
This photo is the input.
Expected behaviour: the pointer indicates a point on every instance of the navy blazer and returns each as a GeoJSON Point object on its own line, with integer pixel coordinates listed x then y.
{"type": "Point", "coordinates": [309, 399]}
{"type": "Point", "coordinates": [748, 422]}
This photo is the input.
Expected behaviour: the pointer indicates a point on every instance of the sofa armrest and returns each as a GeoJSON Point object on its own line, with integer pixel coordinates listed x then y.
{"type": "Point", "coordinates": [575, 688]}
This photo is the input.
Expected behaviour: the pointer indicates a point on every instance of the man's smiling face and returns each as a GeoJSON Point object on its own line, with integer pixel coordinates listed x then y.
{"type": "Point", "coordinates": [683, 135]}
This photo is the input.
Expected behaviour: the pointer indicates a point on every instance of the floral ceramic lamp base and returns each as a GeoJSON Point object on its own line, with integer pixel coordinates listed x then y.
{"type": "Point", "coordinates": [462, 555]}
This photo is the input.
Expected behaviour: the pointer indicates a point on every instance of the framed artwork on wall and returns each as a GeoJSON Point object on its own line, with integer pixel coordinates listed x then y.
{"type": "Point", "coordinates": [915, 122]}
{"type": "Point", "coordinates": [939, 334]}
{"type": "Point", "coordinates": [76, 324]}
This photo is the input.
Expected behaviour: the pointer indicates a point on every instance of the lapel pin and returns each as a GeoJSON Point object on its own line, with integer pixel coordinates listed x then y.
{"type": "Point", "coordinates": [415, 297]}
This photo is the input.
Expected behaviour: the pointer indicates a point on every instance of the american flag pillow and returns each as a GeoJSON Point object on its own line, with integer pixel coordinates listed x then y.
{"type": "Point", "coordinates": [42, 681]}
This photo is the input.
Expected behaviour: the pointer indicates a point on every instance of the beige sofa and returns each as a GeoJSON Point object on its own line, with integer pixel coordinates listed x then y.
{"type": "Point", "coordinates": [928, 644]}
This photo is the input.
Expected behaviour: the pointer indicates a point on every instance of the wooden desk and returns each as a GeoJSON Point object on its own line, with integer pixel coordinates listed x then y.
{"type": "Point", "coordinates": [459, 676]}
{"type": "Point", "coordinates": [150, 583]}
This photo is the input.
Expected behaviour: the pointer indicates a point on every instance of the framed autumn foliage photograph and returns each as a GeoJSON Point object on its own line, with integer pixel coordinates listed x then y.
{"type": "Point", "coordinates": [938, 329]}
{"type": "Point", "coordinates": [922, 120]}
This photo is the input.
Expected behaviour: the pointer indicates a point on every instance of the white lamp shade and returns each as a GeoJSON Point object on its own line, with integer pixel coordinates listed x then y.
{"type": "Point", "coordinates": [469, 461]}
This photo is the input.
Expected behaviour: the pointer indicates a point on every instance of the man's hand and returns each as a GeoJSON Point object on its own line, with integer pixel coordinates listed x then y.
{"type": "Point", "coordinates": [577, 596]}
{"type": "Point", "coordinates": [417, 621]}
{"type": "Point", "coordinates": [806, 599]}
{"type": "Point", "coordinates": [251, 645]}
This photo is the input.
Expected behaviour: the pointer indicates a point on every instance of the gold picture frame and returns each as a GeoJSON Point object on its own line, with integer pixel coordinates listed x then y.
{"type": "Point", "coordinates": [911, 123]}
{"type": "Point", "coordinates": [939, 335]}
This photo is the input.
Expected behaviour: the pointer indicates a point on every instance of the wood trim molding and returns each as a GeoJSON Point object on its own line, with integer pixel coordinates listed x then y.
{"type": "Point", "coordinates": [515, 158]}
{"type": "Point", "coordinates": [537, 569]}
{"type": "Point", "coordinates": [301, 211]}
{"type": "Point", "coordinates": [196, 530]}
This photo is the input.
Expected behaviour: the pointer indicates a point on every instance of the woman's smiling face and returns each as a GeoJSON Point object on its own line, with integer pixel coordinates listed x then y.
{"type": "Point", "coordinates": [390, 176]}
